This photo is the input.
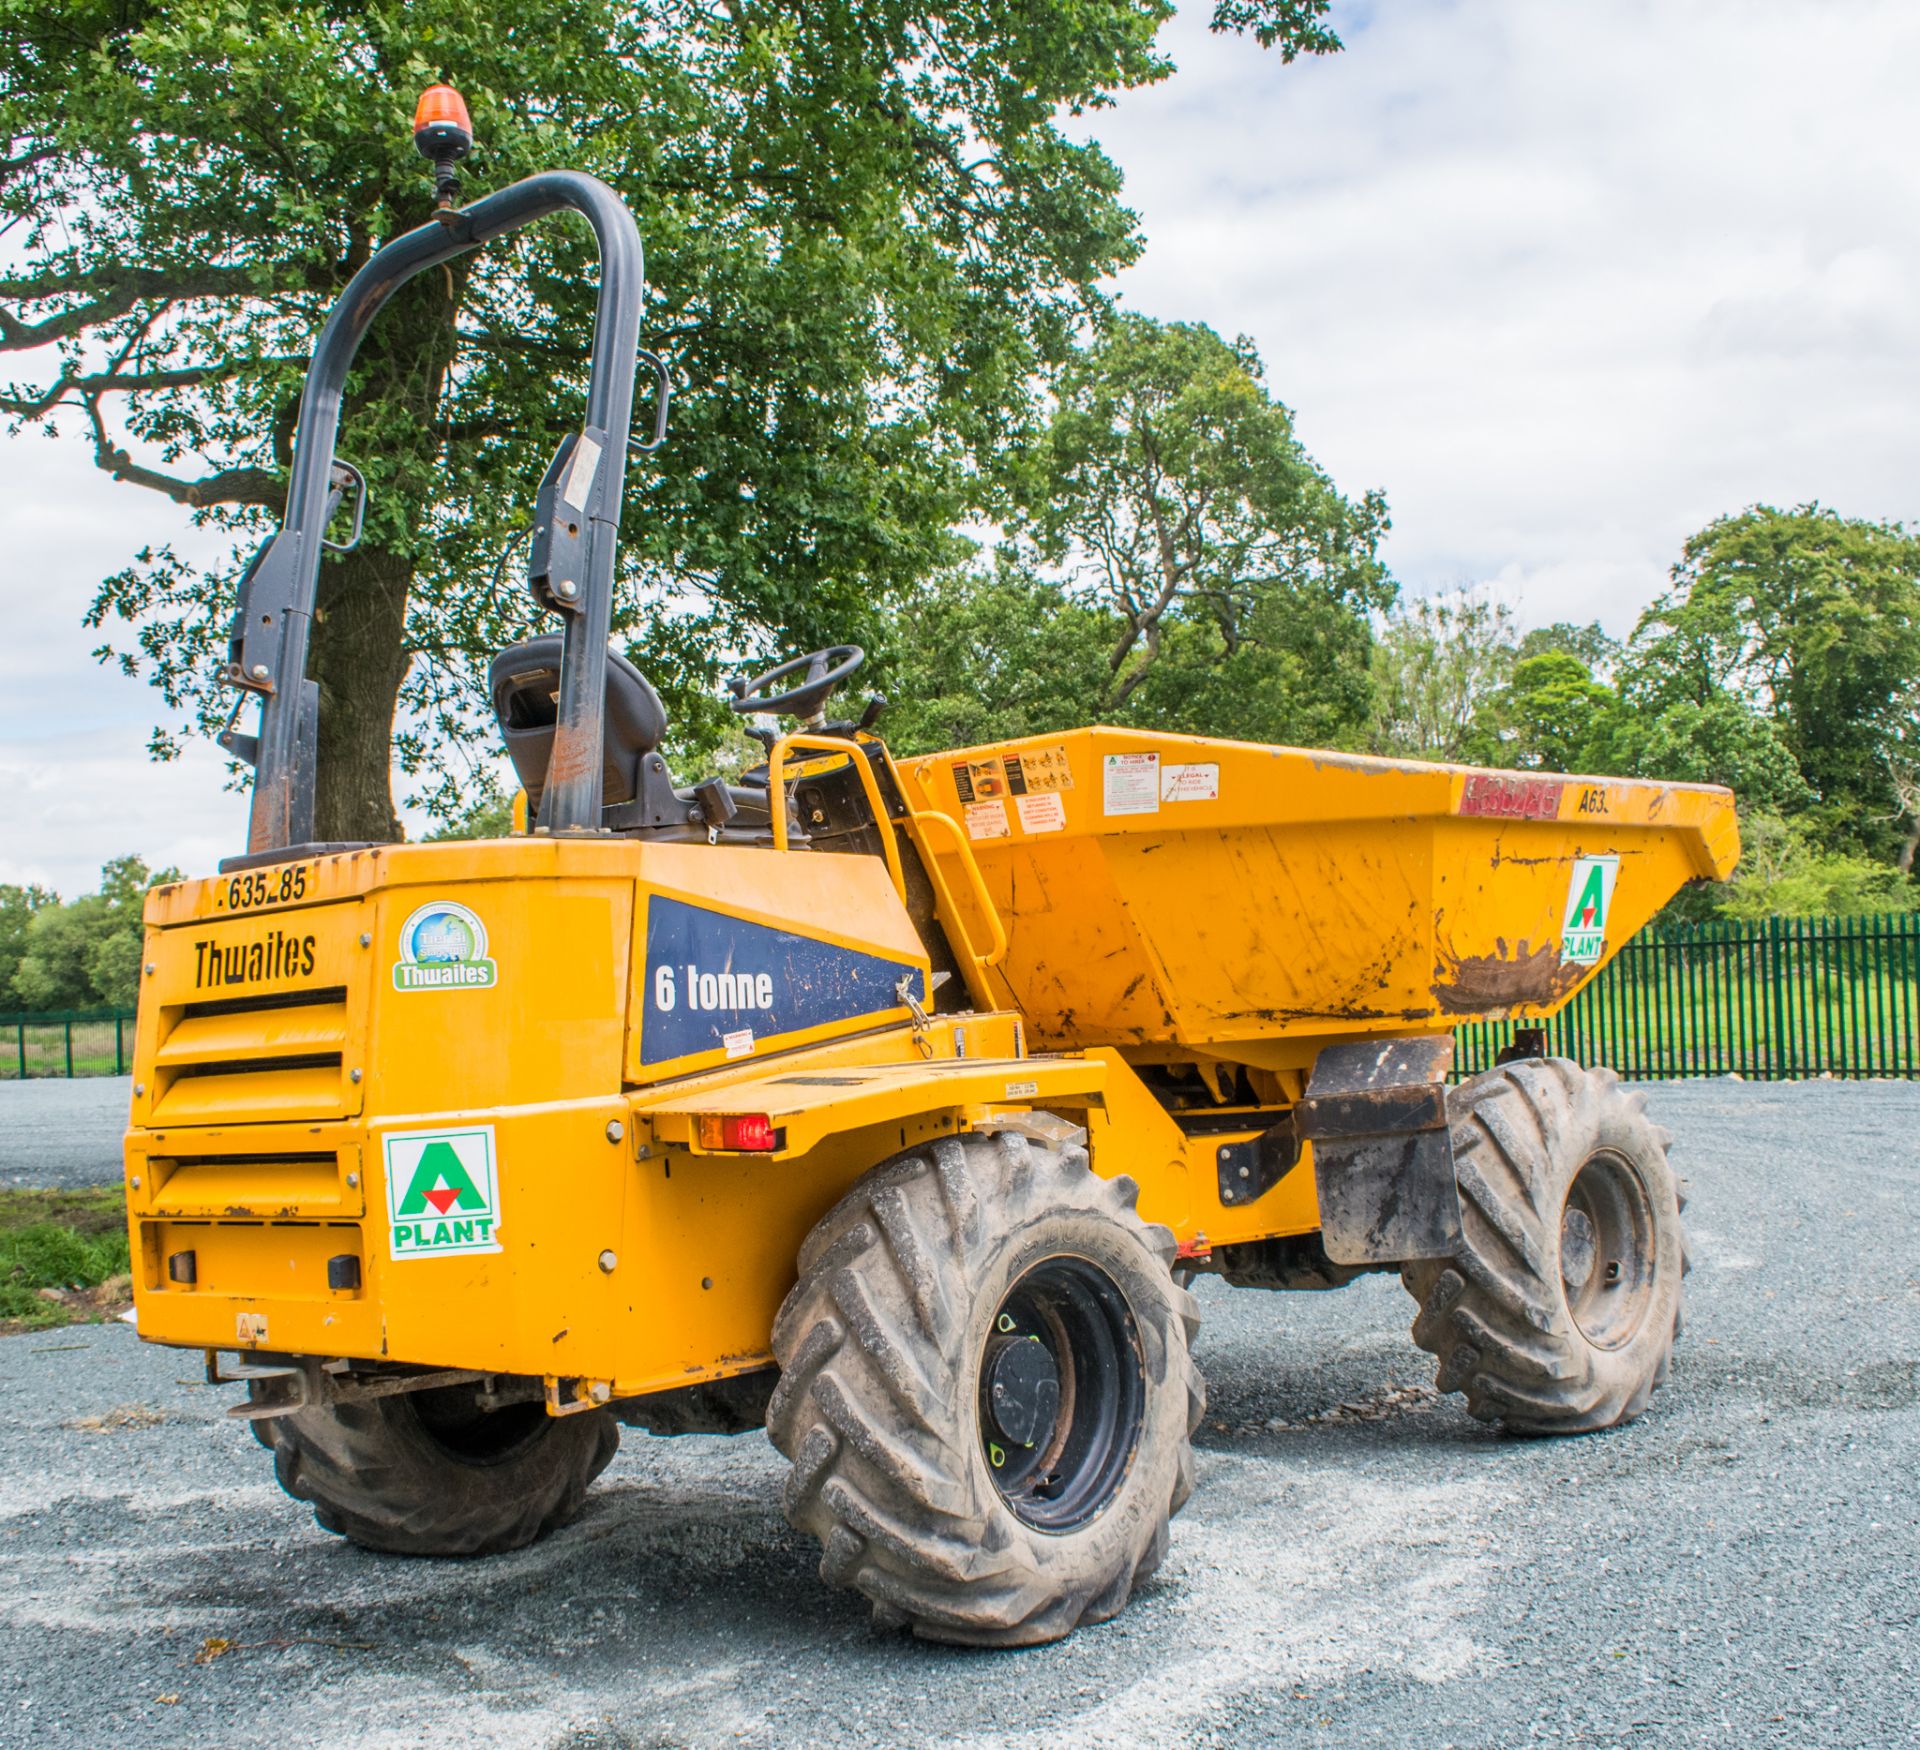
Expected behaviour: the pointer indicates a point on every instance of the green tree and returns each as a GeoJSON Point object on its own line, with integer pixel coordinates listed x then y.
{"type": "Point", "coordinates": [1723, 741]}
{"type": "Point", "coordinates": [989, 652]}
{"type": "Point", "coordinates": [866, 231]}
{"type": "Point", "coordinates": [1552, 715]}
{"type": "Point", "coordinates": [86, 953]}
{"type": "Point", "coordinates": [1787, 871]}
{"type": "Point", "coordinates": [1438, 661]}
{"type": "Point", "coordinates": [18, 905]}
{"type": "Point", "coordinates": [1170, 493]}
{"type": "Point", "coordinates": [1591, 644]}
{"type": "Point", "coordinates": [1815, 619]}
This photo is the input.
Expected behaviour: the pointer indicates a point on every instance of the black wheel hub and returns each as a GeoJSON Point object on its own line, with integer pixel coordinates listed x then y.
{"type": "Point", "coordinates": [1062, 1394]}
{"type": "Point", "coordinates": [1023, 1392]}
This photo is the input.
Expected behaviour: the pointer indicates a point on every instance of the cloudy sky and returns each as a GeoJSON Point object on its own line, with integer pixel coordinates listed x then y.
{"type": "Point", "coordinates": [1567, 278]}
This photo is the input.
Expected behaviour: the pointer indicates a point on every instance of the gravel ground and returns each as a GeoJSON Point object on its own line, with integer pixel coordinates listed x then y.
{"type": "Point", "coordinates": [1362, 1565]}
{"type": "Point", "coordinates": [60, 1133]}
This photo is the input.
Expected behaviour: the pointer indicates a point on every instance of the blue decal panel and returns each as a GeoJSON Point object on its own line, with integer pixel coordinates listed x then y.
{"type": "Point", "coordinates": [710, 975]}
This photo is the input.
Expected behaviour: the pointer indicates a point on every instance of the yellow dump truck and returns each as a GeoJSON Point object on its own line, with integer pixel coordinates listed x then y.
{"type": "Point", "coordinates": [886, 1103]}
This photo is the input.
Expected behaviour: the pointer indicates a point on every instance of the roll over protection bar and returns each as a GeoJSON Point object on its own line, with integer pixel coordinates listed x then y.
{"type": "Point", "coordinates": [578, 507]}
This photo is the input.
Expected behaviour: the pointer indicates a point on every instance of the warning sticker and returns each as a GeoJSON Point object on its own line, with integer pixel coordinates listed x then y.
{"type": "Point", "coordinates": [988, 820]}
{"type": "Point", "coordinates": [739, 1043]}
{"type": "Point", "coordinates": [1131, 783]}
{"type": "Point", "coordinates": [1041, 768]}
{"type": "Point", "coordinates": [1042, 813]}
{"type": "Point", "coordinates": [1190, 783]}
{"type": "Point", "coordinates": [980, 780]}
{"type": "Point", "coordinates": [1583, 935]}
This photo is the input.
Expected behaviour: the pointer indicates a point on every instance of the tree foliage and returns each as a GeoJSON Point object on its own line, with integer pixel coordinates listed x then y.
{"type": "Point", "coordinates": [866, 232]}
{"type": "Point", "coordinates": [1813, 619]}
{"type": "Point", "coordinates": [1437, 662]}
{"type": "Point", "coordinates": [1175, 560]}
{"type": "Point", "coordinates": [81, 954]}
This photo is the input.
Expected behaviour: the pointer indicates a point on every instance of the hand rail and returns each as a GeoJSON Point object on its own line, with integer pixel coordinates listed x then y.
{"type": "Point", "coordinates": [777, 795]}
{"type": "Point", "coordinates": [979, 882]}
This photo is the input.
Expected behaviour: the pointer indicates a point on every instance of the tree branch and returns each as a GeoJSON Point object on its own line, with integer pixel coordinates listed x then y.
{"type": "Point", "coordinates": [112, 293]}
{"type": "Point", "coordinates": [230, 486]}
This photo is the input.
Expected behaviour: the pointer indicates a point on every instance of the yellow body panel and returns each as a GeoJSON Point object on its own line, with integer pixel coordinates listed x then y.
{"type": "Point", "coordinates": [294, 1037]}
{"type": "Point", "coordinates": [1173, 895]}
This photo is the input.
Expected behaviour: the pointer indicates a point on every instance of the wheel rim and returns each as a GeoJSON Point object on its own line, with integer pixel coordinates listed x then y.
{"type": "Point", "coordinates": [1063, 1391]}
{"type": "Point", "coordinates": [451, 1417]}
{"type": "Point", "coordinates": [1607, 1251]}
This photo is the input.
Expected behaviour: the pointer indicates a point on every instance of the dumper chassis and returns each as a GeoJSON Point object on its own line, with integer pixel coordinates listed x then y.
{"type": "Point", "coordinates": [889, 1104]}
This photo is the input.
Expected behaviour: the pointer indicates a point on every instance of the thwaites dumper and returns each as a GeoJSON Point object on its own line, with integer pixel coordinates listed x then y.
{"type": "Point", "coordinates": [884, 1103]}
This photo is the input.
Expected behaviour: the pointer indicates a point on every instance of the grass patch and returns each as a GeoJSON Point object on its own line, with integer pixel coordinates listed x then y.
{"type": "Point", "coordinates": [63, 1257]}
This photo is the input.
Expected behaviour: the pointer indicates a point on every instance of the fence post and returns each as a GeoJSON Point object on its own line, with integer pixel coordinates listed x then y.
{"type": "Point", "coordinates": [21, 1029]}
{"type": "Point", "coordinates": [1777, 1031]}
{"type": "Point", "coordinates": [69, 1048]}
{"type": "Point", "coordinates": [116, 1041]}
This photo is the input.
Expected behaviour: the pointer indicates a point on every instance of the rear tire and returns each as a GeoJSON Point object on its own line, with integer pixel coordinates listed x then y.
{"type": "Point", "coordinates": [430, 1474]}
{"type": "Point", "coordinates": [987, 1392]}
{"type": "Point", "coordinates": [1559, 1313]}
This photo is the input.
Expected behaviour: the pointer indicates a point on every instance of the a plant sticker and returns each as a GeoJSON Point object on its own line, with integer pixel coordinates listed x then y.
{"type": "Point", "coordinates": [1589, 898]}
{"type": "Point", "coordinates": [443, 946]}
{"type": "Point", "coordinates": [443, 1193]}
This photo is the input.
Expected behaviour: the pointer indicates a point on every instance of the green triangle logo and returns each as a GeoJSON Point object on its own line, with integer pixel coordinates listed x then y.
{"type": "Point", "coordinates": [1589, 911]}
{"type": "Point", "coordinates": [440, 1183]}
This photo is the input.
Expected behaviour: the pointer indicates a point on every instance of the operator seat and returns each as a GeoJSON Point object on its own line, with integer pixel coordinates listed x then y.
{"type": "Point", "coordinates": [525, 683]}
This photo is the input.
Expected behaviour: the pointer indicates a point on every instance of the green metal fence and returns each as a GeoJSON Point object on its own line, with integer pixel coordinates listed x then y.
{"type": "Point", "coordinates": [1776, 1000]}
{"type": "Point", "coordinates": [81, 1042]}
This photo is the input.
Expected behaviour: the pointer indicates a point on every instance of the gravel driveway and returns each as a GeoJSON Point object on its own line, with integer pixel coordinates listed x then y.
{"type": "Point", "coordinates": [1362, 1565]}
{"type": "Point", "coordinates": [60, 1134]}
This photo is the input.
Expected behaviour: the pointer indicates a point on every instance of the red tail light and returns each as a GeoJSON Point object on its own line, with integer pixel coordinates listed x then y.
{"type": "Point", "coordinates": [743, 1132]}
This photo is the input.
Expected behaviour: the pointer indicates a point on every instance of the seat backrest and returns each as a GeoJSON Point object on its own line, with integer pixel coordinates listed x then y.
{"type": "Point", "coordinates": [525, 683]}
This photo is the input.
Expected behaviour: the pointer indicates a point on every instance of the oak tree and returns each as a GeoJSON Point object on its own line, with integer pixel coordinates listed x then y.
{"type": "Point", "coordinates": [868, 238]}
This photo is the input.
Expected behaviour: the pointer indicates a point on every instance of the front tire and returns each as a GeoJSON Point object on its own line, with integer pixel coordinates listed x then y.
{"type": "Point", "coordinates": [431, 1474]}
{"type": "Point", "coordinates": [1559, 1313]}
{"type": "Point", "coordinates": [986, 1391]}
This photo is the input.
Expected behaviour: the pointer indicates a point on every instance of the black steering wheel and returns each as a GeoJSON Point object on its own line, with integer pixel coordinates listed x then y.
{"type": "Point", "coordinates": [824, 670]}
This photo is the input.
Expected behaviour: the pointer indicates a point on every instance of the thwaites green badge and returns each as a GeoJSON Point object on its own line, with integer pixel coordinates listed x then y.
{"type": "Point", "coordinates": [1583, 934]}
{"type": "Point", "coordinates": [443, 1192]}
{"type": "Point", "coordinates": [443, 946]}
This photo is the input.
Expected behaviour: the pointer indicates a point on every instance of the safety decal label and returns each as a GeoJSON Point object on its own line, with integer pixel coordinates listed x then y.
{"type": "Point", "coordinates": [586, 464]}
{"type": "Point", "coordinates": [1130, 783]}
{"type": "Point", "coordinates": [443, 946]}
{"type": "Point", "coordinates": [1040, 769]}
{"type": "Point", "coordinates": [1042, 813]}
{"type": "Point", "coordinates": [980, 780]}
{"type": "Point", "coordinates": [988, 820]}
{"type": "Point", "coordinates": [443, 1192]}
{"type": "Point", "coordinates": [1015, 774]}
{"type": "Point", "coordinates": [715, 982]}
{"type": "Point", "coordinates": [1583, 935]}
{"type": "Point", "coordinates": [1190, 783]}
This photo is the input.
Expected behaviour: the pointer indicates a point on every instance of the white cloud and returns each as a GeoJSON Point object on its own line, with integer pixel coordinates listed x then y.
{"type": "Point", "coordinates": [1568, 278]}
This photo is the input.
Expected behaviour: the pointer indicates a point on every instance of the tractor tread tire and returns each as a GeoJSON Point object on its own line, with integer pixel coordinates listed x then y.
{"type": "Point", "coordinates": [375, 1476]}
{"type": "Point", "coordinates": [1495, 1316]}
{"type": "Point", "coordinates": [876, 1411]}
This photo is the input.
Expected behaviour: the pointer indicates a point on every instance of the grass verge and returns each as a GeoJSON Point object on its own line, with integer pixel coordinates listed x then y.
{"type": "Point", "coordinates": [63, 1258]}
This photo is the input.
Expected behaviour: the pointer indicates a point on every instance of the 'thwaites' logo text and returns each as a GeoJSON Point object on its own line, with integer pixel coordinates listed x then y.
{"type": "Point", "coordinates": [274, 955]}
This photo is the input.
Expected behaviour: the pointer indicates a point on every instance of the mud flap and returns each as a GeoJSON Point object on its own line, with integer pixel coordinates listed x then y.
{"type": "Point", "coordinates": [1376, 1115]}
